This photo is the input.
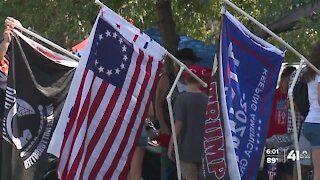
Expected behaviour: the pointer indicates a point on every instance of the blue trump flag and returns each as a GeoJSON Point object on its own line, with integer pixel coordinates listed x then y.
{"type": "Point", "coordinates": [250, 70]}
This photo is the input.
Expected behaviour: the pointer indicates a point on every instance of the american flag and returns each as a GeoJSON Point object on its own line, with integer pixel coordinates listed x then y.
{"type": "Point", "coordinates": [107, 115]}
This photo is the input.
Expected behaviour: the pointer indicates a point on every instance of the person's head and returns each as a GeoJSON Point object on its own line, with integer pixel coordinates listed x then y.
{"type": "Point", "coordinates": [314, 59]}
{"type": "Point", "coordinates": [187, 56]}
{"type": "Point", "coordinates": [285, 77]}
{"type": "Point", "coordinates": [197, 70]}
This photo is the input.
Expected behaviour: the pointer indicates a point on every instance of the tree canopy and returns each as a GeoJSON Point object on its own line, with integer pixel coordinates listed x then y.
{"type": "Point", "coordinates": [68, 22]}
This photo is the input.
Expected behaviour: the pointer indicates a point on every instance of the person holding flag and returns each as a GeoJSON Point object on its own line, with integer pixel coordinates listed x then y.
{"type": "Point", "coordinates": [4, 63]}
{"type": "Point", "coordinates": [4, 45]}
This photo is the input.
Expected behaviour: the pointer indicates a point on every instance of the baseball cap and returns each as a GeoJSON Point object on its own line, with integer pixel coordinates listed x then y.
{"type": "Point", "coordinates": [196, 69]}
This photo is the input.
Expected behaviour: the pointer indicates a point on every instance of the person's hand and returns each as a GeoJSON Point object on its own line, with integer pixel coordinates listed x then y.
{"type": "Point", "coordinates": [7, 36]}
{"type": "Point", "coordinates": [11, 20]}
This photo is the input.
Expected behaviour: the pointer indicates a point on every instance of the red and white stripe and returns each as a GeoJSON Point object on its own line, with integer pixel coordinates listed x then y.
{"type": "Point", "coordinates": [106, 122]}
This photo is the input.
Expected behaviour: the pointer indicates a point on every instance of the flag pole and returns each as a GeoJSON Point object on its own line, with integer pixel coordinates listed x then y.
{"type": "Point", "coordinates": [174, 134]}
{"type": "Point", "coordinates": [98, 3]}
{"type": "Point", "coordinates": [68, 53]}
{"type": "Point", "coordinates": [294, 124]}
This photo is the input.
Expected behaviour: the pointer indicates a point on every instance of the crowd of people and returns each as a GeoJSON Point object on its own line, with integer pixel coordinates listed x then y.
{"type": "Point", "coordinates": [190, 102]}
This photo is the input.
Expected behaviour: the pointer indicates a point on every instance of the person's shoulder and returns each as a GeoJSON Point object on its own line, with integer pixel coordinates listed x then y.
{"type": "Point", "coordinates": [187, 94]}
{"type": "Point", "coordinates": [183, 94]}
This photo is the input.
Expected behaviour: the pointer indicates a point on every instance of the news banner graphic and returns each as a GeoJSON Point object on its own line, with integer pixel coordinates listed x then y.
{"type": "Point", "coordinates": [37, 86]}
{"type": "Point", "coordinates": [281, 155]}
{"type": "Point", "coordinates": [108, 100]}
{"type": "Point", "coordinates": [250, 70]}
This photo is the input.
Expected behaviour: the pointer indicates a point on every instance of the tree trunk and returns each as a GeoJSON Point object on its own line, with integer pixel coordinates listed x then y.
{"type": "Point", "coordinates": [167, 29]}
{"type": "Point", "coordinates": [287, 23]}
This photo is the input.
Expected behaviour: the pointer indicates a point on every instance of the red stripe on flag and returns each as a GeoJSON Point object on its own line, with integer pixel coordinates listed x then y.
{"type": "Point", "coordinates": [75, 108]}
{"type": "Point", "coordinates": [132, 121]}
{"type": "Point", "coordinates": [80, 120]}
{"type": "Point", "coordinates": [74, 112]}
{"type": "Point", "coordinates": [93, 109]}
{"type": "Point", "coordinates": [135, 37]}
{"type": "Point", "coordinates": [119, 120]}
{"type": "Point", "coordinates": [124, 173]}
{"type": "Point", "coordinates": [100, 129]}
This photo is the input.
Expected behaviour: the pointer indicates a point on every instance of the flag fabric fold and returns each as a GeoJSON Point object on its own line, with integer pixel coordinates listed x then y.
{"type": "Point", "coordinates": [250, 71]}
{"type": "Point", "coordinates": [36, 90]}
{"type": "Point", "coordinates": [218, 145]}
{"type": "Point", "coordinates": [106, 107]}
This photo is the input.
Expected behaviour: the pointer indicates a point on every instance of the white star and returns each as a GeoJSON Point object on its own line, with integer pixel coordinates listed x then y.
{"type": "Point", "coordinates": [120, 40]}
{"type": "Point", "coordinates": [117, 71]}
{"type": "Point", "coordinates": [101, 69]}
{"type": "Point", "coordinates": [96, 62]}
{"type": "Point", "coordinates": [122, 66]}
{"type": "Point", "coordinates": [114, 35]}
{"type": "Point", "coordinates": [108, 33]}
{"type": "Point", "coordinates": [124, 48]}
{"type": "Point", "coordinates": [100, 37]}
{"type": "Point", "coordinates": [97, 43]}
{"type": "Point", "coordinates": [258, 142]}
{"type": "Point", "coordinates": [109, 72]}
{"type": "Point", "coordinates": [125, 57]}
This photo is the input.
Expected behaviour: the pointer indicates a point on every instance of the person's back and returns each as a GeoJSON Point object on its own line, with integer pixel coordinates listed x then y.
{"type": "Point", "coordinates": [190, 107]}
{"type": "Point", "coordinates": [189, 114]}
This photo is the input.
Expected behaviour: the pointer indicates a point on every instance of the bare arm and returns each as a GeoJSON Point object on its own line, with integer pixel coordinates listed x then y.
{"type": "Point", "coordinates": [177, 125]}
{"type": "Point", "coordinates": [150, 111]}
{"type": "Point", "coordinates": [7, 35]}
{"type": "Point", "coordinates": [161, 93]}
{"type": "Point", "coordinates": [5, 43]}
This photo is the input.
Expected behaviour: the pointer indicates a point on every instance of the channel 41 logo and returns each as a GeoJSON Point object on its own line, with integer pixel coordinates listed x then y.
{"type": "Point", "coordinates": [298, 155]}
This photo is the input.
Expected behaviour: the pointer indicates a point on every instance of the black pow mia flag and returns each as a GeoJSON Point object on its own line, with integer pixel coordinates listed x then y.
{"type": "Point", "coordinates": [36, 90]}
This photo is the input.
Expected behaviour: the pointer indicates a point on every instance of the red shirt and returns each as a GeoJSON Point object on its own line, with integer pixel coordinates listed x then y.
{"type": "Point", "coordinates": [279, 114]}
{"type": "Point", "coordinates": [4, 66]}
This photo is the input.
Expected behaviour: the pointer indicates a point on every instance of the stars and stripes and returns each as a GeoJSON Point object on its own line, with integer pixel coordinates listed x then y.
{"type": "Point", "coordinates": [110, 107]}
{"type": "Point", "coordinates": [107, 68]}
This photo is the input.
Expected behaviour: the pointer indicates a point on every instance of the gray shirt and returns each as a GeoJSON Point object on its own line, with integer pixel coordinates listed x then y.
{"type": "Point", "coordinates": [190, 108]}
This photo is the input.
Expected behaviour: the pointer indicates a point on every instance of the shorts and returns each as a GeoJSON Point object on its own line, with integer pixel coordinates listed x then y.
{"type": "Point", "coordinates": [190, 169]}
{"type": "Point", "coordinates": [312, 132]}
{"type": "Point", "coordinates": [143, 141]}
{"type": "Point", "coordinates": [304, 145]}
